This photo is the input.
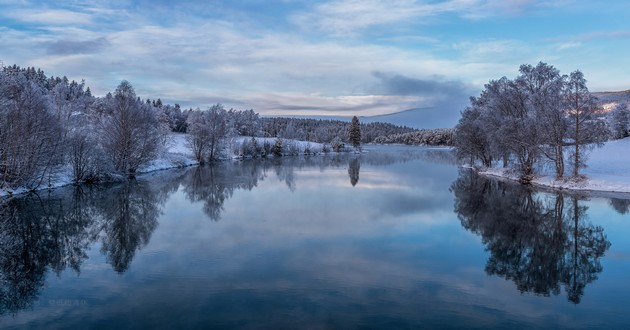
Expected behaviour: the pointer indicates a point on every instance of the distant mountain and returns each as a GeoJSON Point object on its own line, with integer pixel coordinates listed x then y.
{"type": "Point", "coordinates": [609, 100]}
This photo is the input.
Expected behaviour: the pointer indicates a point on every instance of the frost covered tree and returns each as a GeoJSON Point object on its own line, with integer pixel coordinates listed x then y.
{"type": "Point", "coordinates": [544, 86]}
{"type": "Point", "coordinates": [29, 130]}
{"type": "Point", "coordinates": [277, 148]}
{"type": "Point", "coordinates": [218, 130]}
{"type": "Point", "coordinates": [206, 132]}
{"type": "Point", "coordinates": [354, 133]}
{"type": "Point", "coordinates": [620, 121]}
{"type": "Point", "coordinates": [130, 134]}
{"type": "Point", "coordinates": [582, 107]}
{"type": "Point", "coordinates": [533, 118]}
{"type": "Point", "coordinates": [199, 136]}
{"type": "Point", "coordinates": [471, 139]}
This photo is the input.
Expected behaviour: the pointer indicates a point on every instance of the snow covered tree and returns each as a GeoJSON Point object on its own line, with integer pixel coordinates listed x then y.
{"type": "Point", "coordinates": [199, 137]}
{"type": "Point", "coordinates": [544, 86]}
{"type": "Point", "coordinates": [29, 131]}
{"type": "Point", "coordinates": [354, 133]}
{"type": "Point", "coordinates": [536, 115]}
{"type": "Point", "coordinates": [277, 148]}
{"type": "Point", "coordinates": [130, 132]}
{"type": "Point", "coordinates": [582, 106]}
{"type": "Point", "coordinates": [206, 132]}
{"type": "Point", "coordinates": [217, 125]}
{"type": "Point", "coordinates": [620, 121]}
{"type": "Point", "coordinates": [337, 145]}
{"type": "Point", "coordinates": [471, 140]}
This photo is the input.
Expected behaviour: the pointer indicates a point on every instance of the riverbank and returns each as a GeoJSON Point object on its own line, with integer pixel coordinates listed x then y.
{"type": "Point", "coordinates": [177, 154]}
{"type": "Point", "coordinates": [608, 171]}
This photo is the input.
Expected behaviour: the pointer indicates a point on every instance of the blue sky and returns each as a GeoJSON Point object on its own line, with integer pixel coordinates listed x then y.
{"type": "Point", "coordinates": [341, 57]}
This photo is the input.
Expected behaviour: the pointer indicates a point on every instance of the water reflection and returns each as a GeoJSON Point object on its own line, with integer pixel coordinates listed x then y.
{"type": "Point", "coordinates": [129, 214]}
{"type": "Point", "coordinates": [541, 241]}
{"type": "Point", "coordinates": [353, 170]}
{"type": "Point", "coordinates": [622, 206]}
{"type": "Point", "coordinates": [53, 231]}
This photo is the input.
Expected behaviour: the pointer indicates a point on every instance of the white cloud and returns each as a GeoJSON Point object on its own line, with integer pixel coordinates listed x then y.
{"type": "Point", "coordinates": [198, 59]}
{"type": "Point", "coordinates": [347, 17]}
{"type": "Point", "coordinates": [50, 16]}
{"type": "Point", "coordinates": [569, 45]}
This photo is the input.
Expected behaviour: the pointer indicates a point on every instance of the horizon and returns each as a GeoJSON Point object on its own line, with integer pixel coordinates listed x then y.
{"type": "Point", "coordinates": [325, 58]}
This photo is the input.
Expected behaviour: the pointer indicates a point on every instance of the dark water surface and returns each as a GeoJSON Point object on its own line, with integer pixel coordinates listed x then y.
{"type": "Point", "coordinates": [395, 238]}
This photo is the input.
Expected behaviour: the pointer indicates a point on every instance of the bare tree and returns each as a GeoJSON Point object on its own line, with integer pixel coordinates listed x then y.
{"type": "Point", "coordinates": [28, 131]}
{"type": "Point", "coordinates": [582, 107]}
{"type": "Point", "coordinates": [130, 132]}
{"type": "Point", "coordinates": [198, 138]}
{"type": "Point", "coordinates": [544, 85]}
{"type": "Point", "coordinates": [620, 121]}
{"type": "Point", "coordinates": [217, 128]}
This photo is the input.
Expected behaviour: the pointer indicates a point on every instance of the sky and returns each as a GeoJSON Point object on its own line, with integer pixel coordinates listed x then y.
{"type": "Point", "coordinates": [331, 58]}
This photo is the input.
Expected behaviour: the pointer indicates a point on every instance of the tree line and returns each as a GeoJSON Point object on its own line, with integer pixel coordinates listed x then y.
{"type": "Point", "coordinates": [428, 137]}
{"type": "Point", "coordinates": [326, 130]}
{"type": "Point", "coordinates": [540, 117]}
{"type": "Point", "coordinates": [51, 127]}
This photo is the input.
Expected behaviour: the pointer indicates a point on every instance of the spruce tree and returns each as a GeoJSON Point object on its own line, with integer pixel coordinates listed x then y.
{"type": "Point", "coordinates": [354, 134]}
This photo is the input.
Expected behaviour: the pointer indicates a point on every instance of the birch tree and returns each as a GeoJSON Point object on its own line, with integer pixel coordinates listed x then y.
{"type": "Point", "coordinates": [130, 133]}
{"type": "Point", "coordinates": [582, 107]}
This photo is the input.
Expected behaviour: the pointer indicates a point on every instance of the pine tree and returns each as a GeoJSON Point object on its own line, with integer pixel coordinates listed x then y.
{"type": "Point", "coordinates": [277, 148]}
{"type": "Point", "coordinates": [354, 134]}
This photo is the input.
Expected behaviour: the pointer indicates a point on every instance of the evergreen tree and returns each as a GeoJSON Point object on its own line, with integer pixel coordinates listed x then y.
{"type": "Point", "coordinates": [277, 148]}
{"type": "Point", "coordinates": [354, 134]}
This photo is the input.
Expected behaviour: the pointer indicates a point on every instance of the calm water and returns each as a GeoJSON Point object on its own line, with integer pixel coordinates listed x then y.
{"type": "Point", "coordinates": [395, 238]}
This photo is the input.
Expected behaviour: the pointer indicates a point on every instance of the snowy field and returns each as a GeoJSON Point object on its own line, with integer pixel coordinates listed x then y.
{"type": "Point", "coordinates": [608, 171]}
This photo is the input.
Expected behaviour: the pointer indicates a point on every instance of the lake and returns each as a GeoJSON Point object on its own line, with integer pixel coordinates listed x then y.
{"type": "Point", "coordinates": [397, 237]}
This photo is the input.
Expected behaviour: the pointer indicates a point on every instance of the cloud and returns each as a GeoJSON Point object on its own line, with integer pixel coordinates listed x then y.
{"type": "Point", "coordinates": [347, 17]}
{"type": "Point", "coordinates": [343, 105]}
{"type": "Point", "coordinates": [602, 35]}
{"type": "Point", "coordinates": [70, 47]}
{"type": "Point", "coordinates": [438, 102]}
{"type": "Point", "coordinates": [51, 16]}
{"type": "Point", "coordinates": [396, 84]}
{"type": "Point", "coordinates": [569, 45]}
{"type": "Point", "coordinates": [197, 54]}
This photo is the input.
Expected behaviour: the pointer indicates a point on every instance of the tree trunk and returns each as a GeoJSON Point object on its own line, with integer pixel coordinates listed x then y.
{"type": "Point", "coordinates": [559, 162]}
{"type": "Point", "coordinates": [576, 165]}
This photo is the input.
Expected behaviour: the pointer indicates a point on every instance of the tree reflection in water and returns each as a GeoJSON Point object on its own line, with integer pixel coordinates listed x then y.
{"type": "Point", "coordinates": [129, 215]}
{"type": "Point", "coordinates": [53, 231]}
{"type": "Point", "coordinates": [353, 170]}
{"type": "Point", "coordinates": [535, 240]}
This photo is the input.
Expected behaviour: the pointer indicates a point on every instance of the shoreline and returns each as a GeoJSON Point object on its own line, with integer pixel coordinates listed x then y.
{"type": "Point", "coordinates": [178, 156]}
{"type": "Point", "coordinates": [598, 188]}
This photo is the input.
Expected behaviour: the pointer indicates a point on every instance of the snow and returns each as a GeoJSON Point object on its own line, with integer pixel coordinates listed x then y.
{"type": "Point", "coordinates": [177, 154]}
{"type": "Point", "coordinates": [608, 171]}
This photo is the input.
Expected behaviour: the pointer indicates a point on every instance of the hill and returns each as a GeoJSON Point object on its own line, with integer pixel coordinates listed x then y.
{"type": "Point", "coordinates": [609, 100]}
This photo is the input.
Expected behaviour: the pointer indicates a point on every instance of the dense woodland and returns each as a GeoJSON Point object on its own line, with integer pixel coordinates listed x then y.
{"type": "Point", "coordinates": [540, 118]}
{"type": "Point", "coordinates": [325, 131]}
{"type": "Point", "coordinates": [430, 137]}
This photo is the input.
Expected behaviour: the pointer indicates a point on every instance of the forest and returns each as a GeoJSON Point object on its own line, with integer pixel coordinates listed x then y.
{"type": "Point", "coordinates": [540, 118]}
{"type": "Point", "coordinates": [53, 127]}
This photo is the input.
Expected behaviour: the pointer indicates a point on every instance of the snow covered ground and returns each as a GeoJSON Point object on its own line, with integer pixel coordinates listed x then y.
{"type": "Point", "coordinates": [608, 171]}
{"type": "Point", "coordinates": [177, 154]}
